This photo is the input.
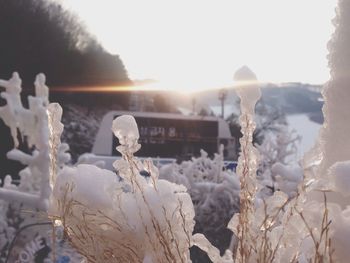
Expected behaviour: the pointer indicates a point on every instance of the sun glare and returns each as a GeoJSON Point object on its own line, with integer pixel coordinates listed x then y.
{"type": "Point", "coordinates": [191, 45]}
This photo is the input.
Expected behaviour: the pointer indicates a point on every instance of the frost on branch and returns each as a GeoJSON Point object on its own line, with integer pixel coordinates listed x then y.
{"type": "Point", "coordinates": [129, 217]}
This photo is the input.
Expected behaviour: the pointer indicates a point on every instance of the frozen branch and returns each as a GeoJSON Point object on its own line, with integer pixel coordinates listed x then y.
{"type": "Point", "coordinates": [20, 156]}
{"type": "Point", "coordinates": [32, 200]}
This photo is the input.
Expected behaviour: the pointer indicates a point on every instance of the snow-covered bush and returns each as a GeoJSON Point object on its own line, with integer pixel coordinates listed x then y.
{"type": "Point", "coordinates": [278, 166]}
{"type": "Point", "coordinates": [214, 192]}
{"type": "Point", "coordinates": [287, 178]}
{"type": "Point", "coordinates": [278, 157]}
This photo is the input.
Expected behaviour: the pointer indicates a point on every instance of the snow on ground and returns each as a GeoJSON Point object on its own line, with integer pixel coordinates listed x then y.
{"type": "Point", "coordinates": [184, 111]}
{"type": "Point", "coordinates": [229, 109]}
{"type": "Point", "coordinates": [305, 128]}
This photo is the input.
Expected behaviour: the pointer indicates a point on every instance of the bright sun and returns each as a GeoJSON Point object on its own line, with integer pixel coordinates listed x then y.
{"type": "Point", "coordinates": [199, 44]}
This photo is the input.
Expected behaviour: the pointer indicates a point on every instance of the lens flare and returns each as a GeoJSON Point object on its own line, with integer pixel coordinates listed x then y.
{"type": "Point", "coordinates": [156, 86]}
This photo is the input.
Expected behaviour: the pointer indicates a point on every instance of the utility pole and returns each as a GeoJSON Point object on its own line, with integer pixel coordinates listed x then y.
{"type": "Point", "coordinates": [194, 106]}
{"type": "Point", "coordinates": [222, 98]}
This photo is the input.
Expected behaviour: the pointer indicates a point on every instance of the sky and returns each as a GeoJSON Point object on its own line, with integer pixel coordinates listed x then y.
{"type": "Point", "coordinates": [202, 43]}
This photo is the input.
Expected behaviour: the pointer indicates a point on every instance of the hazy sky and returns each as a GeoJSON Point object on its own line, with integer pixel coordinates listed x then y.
{"type": "Point", "coordinates": [202, 43]}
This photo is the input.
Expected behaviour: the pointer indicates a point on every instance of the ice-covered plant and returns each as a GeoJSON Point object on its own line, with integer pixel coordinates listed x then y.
{"type": "Point", "coordinates": [312, 226]}
{"type": "Point", "coordinates": [249, 93]}
{"type": "Point", "coordinates": [127, 216]}
{"type": "Point", "coordinates": [276, 228]}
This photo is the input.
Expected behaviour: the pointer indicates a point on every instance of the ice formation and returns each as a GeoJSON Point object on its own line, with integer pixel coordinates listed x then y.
{"type": "Point", "coordinates": [333, 143]}
{"type": "Point", "coordinates": [328, 162]}
{"type": "Point", "coordinates": [334, 140]}
{"type": "Point", "coordinates": [339, 174]}
{"type": "Point", "coordinates": [126, 130]}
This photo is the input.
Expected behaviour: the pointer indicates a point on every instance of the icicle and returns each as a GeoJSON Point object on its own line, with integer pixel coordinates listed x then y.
{"type": "Point", "coordinates": [41, 90]}
{"type": "Point", "coordinates": [55, 131]}
{"type": "Point", "coordinates": [10, 112]}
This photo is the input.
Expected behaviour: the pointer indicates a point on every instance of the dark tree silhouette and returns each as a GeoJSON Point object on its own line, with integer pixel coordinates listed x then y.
{"type": "Point", "coordinates": [42, 36]}
{"type": "Point", "coordinates": [203, 112]}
